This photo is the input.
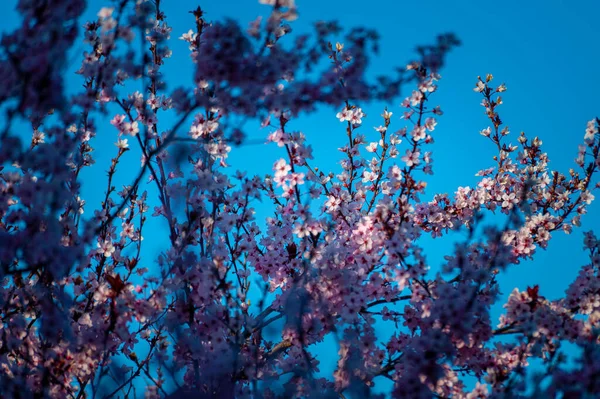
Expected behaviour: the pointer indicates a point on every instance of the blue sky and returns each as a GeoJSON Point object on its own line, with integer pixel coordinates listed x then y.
{"type": "Point", "coordinates": [545, 51]}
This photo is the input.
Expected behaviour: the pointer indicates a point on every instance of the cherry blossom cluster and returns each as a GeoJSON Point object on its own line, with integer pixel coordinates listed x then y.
{"type": "Point", "coordinates": [236, 303]}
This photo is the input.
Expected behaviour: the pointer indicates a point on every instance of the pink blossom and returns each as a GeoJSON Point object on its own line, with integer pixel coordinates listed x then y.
{"type": "Point", "coordinates": [411, 158]}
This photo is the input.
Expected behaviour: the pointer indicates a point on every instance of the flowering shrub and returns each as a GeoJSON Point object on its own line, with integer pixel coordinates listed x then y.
{"type": "Point", "coordinates": [235, 305]}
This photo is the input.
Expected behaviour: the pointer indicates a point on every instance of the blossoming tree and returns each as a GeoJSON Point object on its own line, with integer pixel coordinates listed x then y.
{"type": "Point", "coordinates": [235, 306]}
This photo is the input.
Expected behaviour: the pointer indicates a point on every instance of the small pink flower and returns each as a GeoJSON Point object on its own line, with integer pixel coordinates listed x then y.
{"type": "Point", "coordinates": [411, 158]}
{"type": "Point", "coordinates": [372, 147]}
{"type": "Point", "coordinates": [106, 248]}
{"type": "Point", "coordinates": [131, 129]}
